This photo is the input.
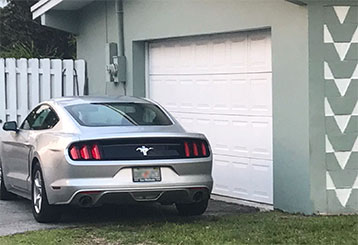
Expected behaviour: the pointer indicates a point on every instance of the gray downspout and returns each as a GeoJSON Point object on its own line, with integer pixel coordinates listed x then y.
{"type": "Point", "coordinates": [122, 69]}
{"type": "Point", "coordinates": [119, 11]}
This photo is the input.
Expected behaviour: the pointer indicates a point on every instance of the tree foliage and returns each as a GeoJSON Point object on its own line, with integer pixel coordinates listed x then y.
{"type": "Point", "coordinates": [22, 37]}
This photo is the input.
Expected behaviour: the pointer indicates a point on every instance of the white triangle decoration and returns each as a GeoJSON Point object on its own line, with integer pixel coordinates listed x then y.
{"type": "Point", "coordinates": [342, 122]}
{"type": "Point", "coordinates": [329, 147]}
{"type": "Point", "coordinates": [341, 12]}
{"type": "Point", "coordinates": [342, 85]}
{"type": "Point", "coordinates": [355, 185]}
{"type": "Point", "coordinates": [355, 146]}
{"type": "Point", "coordinates": [328, 108]}
{"type": "Point", "coordinates": [328, 72]}
{"type": "Point", "coordinates": [329, 182]}
{"type": "Point", "coordinates": [355, 73]}
{"type": "Point", "coordinates": [342, 49]}
{"type": "Point", "coordinates": [355, 110]}
{"type": "Point", "coordinates": [355, 36]}
{"type": "Point", "coordinates": [327, 35]}
{"type": "Point", "coordinates": [342, 158]}
{"type": "Point", "coordinates": [343, 195]}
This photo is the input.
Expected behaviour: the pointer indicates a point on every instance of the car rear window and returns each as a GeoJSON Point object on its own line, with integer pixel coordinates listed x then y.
{"type": "Point", "coordinates": [118, 114]}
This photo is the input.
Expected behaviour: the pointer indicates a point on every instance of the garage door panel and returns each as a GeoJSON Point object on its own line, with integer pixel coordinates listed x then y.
{"type": "Point", "coordinates": [240, 137]}
{"type": "Point", "coordinates": [186, 94]}
{"type": "Point", "coordinates": [222, 179]}
{"type": "Point", "coordinates": [219, 56]}
{"type": "Point", "coordinates": [221, 140]}
{"type": "Point", "coordinates": [241, 177]}
{"type": "Point", "coordinates": [222, 86]}
{"type": "Point", "coordinates": [202, 57]}
{"type": "Point", "coordinates": [155, 58]}
{"type": "Point", "coordinates": [261, 138]}
{"type": "Point", "coordinates": [239, 89]}
{"type": "Point", "coordinates": [260, 94]}
{"type": "Point", "coordinates": [262, 188]}
{"type": "Point", "coordinates": [170, 52]}
{"type": "Point", "coordinates": [259, 52]}
{"type": "Point", "coordinates": [233, 54]}
{"type": "Point", "coordinates": [238, 54]}
{"type": "Point", "coordinates": [203, 92]}
{"type": "Point", "coordinates": [194, 91]}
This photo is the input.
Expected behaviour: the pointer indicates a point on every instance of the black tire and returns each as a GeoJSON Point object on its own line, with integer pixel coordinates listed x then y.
{"type": "Point", "coordinates": [192, 209]}
{"type": "Point", "coordinates": [42, 211]}
{"type": "Point", "coordinates": [4, 194]}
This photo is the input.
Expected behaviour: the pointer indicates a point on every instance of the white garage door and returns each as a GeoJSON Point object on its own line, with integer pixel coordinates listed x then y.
{"type": "Point", "coordinates": [222, 86]}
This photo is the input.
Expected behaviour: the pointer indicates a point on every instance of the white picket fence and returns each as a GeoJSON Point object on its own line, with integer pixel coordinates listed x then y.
{"type": "Point", "coordinates": [24, 83]}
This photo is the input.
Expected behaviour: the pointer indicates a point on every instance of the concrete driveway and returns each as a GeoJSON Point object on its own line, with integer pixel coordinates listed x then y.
{"type": "Point", "coordinates": [16, 216]}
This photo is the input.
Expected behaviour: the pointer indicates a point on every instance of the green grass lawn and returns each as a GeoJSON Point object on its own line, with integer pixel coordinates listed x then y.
{"type": "Point", "coordinates": [254, 228]}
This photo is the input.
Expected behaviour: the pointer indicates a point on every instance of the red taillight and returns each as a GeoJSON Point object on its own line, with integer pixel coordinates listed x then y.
{"type": "Point", "coordinates": [195, 149]}
{"type": "Point", "coordinates": [203, 149]}
{"type": "Point", "coordinates": [74, 153]}
{"type": "Point", "coordinates": [187, 150]}
{"type": "Point", "coordinates": [85, 154]}
{"type": "Point", "coordinates": [95, 152]}
{"type": "Point", "coordinates": [198, 148]}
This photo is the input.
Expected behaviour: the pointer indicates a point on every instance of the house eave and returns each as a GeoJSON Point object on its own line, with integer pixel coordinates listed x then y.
{"type": "Point", "coordinates": [44, 6]}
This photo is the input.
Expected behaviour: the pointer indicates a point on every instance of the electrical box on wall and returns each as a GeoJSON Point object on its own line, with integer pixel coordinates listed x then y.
{"type": "Point", "coordinates": [115, 65]}
{"type": "Point", "coordinates": [122, 71]}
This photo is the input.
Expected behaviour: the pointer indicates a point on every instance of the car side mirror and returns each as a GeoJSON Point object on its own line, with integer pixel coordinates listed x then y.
{"type": "Point", "coordinates": [10, 126]}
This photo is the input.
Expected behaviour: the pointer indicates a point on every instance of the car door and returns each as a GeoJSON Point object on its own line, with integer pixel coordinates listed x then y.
{"type": "Point", "coordinates": [15, 154]}
{"type": "Point", "coordinates": [21, 144]}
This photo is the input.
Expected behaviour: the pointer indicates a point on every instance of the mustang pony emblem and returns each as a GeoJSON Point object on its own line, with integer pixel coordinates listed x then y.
{"type": "Point", "coordinates": [144, 150]}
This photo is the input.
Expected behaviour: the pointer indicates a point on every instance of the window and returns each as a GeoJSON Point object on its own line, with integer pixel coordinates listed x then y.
{"type": "Point", "coordinates": [42, 117]}
{"type": "Point", "coordinates": [118, 114]}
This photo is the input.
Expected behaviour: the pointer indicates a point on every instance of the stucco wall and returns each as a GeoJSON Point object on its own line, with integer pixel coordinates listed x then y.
{"type": "Point", "coordinates": [333, 99]}
{"type": "Point", "coordinates": [97, 26]}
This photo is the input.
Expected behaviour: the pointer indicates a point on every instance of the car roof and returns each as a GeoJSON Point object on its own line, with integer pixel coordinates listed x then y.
{"type": "Point", "coordinates": [65, 101]}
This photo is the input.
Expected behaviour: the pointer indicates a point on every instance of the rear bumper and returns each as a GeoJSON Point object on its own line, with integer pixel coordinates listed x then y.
{"type": "Point", "coordinates": [113, 183]}
{"type": "Point", "coordinates": [162, 195]}
{"type": "Point", "coordinates": [161, 192]}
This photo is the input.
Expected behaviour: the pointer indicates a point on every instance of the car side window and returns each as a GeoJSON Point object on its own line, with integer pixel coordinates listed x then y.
{"type": "Point", "coordinates": [42, 117]}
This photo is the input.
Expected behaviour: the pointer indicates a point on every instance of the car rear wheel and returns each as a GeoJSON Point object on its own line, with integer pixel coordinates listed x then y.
{"type": "Point", "coordinates": [4, 194]}
{"type": "Point", "coordinates": [192, 209]}
{"type": "Point", "coordinates": [43, 212]}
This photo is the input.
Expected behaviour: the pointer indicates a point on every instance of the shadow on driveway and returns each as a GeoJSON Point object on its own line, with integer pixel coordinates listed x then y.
{"type": "Point", "coordinates": [16, 216]}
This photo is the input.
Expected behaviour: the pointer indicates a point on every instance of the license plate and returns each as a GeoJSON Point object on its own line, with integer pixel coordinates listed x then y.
{"type": "Point", "coordinates": [146, 174]}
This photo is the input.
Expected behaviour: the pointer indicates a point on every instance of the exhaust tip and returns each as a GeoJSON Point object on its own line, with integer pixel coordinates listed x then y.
{"type": "Point", "coordinates": [198, 196]}
{"type": "Point", "coordinates": [85, 201]}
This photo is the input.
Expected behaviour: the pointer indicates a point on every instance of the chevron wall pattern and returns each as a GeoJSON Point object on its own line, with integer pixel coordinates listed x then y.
{"type": "Point", "coordinates": [340, 35]}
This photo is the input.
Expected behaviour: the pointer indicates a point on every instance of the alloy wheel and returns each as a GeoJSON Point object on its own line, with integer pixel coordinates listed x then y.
{"type": "Point", "coordinates": [37, 192]}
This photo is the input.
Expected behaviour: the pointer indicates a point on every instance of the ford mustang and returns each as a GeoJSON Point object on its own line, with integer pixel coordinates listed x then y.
{"type": "Point", "coordinates": [90, 151]}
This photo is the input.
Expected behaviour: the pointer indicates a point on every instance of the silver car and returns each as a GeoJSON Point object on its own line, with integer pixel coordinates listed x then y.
{"type": "Point", "coordinates": [90, 151]}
